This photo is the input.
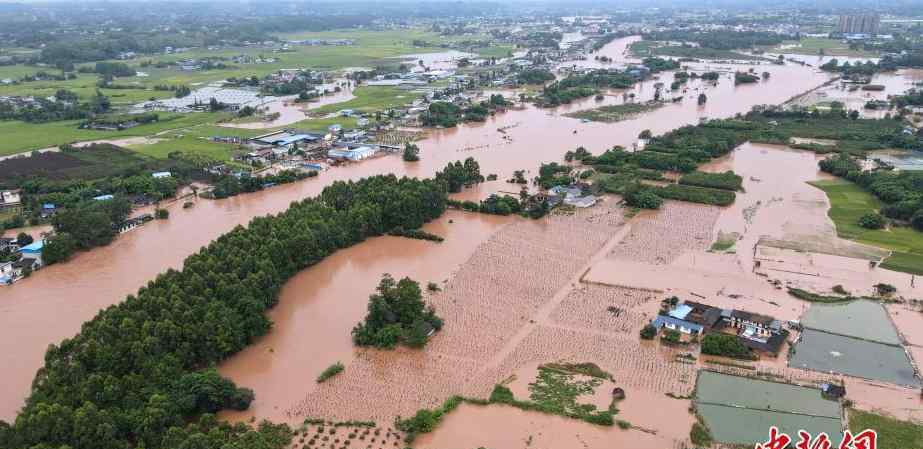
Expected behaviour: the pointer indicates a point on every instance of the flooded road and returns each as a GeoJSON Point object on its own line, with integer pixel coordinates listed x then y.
{"type": "Point", "coordinates": [53, 304]}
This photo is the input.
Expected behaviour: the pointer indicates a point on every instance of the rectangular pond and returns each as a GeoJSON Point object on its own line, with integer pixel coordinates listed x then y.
{"type": "Point", "coordinates": [825, 352]}
{"type": "Point", "coordinates": [863, 319]}
{"type": "Point", "coordinates": [740, 410]}
{"type": "Point", "coordinates": [746, 426]}
{"type": "Point", "coordinates": [742, 392]}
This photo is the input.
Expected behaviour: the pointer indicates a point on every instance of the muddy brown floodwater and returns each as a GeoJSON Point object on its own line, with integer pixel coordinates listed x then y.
{"type": "Point", "coordinates": [53, 303]}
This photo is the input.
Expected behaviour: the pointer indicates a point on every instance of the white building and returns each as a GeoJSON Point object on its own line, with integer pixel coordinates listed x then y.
{"type": "Point", "coordinates": [355, 154]}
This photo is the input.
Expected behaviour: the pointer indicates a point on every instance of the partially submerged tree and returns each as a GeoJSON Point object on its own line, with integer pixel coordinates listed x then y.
{"type": "Point", "coordinates": [397, 315]}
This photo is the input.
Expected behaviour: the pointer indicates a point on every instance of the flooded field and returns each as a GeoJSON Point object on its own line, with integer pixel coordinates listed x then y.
{"type": "Point", "coordinates": [319, 307]}
{"type": "Point", "coordinates": [501, 426]}
{"type": "Point", "coordinates": [515, 293]}
{"type": "Point", "coordinates": [741, 410]}
{"type": "Point", "coordinates": [57, 300]}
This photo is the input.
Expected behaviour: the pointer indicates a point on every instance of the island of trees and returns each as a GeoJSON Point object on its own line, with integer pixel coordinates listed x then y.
{"type": "Point", "coordinates": [397, 315]}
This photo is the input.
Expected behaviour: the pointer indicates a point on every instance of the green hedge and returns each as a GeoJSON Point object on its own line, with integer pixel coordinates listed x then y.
{"type": "Point", "coordinates": [726, 181]}
{"type": "Point", "coordinates": [696, 194]}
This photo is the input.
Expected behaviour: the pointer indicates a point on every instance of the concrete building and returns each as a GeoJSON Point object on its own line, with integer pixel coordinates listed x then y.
{"type": "Point", "coordinates": [10, 198]}
{"type": "Point", "coordinates": [33, 251]}
{"type": "Point", "coordinates": [858, 24]}
{"type": "Point", "coordinates": [355, 154]}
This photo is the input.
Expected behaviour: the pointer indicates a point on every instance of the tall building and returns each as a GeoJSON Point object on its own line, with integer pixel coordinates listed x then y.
{"type": "Point", "coordinates": [858, 24]}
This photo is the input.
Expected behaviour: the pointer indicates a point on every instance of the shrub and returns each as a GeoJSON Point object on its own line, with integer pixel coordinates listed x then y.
{"type": "Point", "coordinates": [671, 336]}
{"type": "Point", "coordinates": [917, 220]}
{"type": "Point", "coordinates": [501, 394]}
{"type": "Point", "coordinates": [727, 180]}
{"type": "Point", "coordinates": [643, 198]}
{"type": "Point", "coordinates": [648, 332]}
{"type": "Point", "coordinates": [700, 436]}
{"type": "Point", "coordinates": [885, 289]}
{"type": "Point", "coordinates": [696, 194]}
{"type": "Point", "coordinates": [331, 371]}
{"type": "Point", "coordinates": [727, 346]}
{"type": "Point", "coordinates": [872, 220]}
{"type": "Point", "coordinates": [161, 214]}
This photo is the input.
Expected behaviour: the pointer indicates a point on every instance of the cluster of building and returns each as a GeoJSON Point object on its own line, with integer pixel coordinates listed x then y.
{"type": "Point", "coordinates": [26, 258]}
{"type": "Point", "coordinates": [571, 196]}
{"type": "Point", "coordinates": [199, 100]}
{"type": "Point", "coordinates": [314, 151]}
{"type": "Point", "coordinates": [760, 333]}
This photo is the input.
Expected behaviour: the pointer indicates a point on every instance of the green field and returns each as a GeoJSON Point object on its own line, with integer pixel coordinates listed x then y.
{"type": "Point", "coordinates": [848, 202]}
{"type": "Point", "coordinates": [654, 48]}
{"type": "Point", "coordinates": [187, 144]}
{"type": "Point", "coordinates": [371, 99]}
{"type": "Point", "coordinates": [892, 433]}
{"type": "Point", "coordinates": [19, 137]}
{"type": "Point", "coordinates": [372, 48]}
{"type": "Point", "coordinates": [818, 46]}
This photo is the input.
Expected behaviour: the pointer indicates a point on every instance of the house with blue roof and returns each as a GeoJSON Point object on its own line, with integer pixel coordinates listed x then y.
{"type": "Point", "coordinates": [690, 318]}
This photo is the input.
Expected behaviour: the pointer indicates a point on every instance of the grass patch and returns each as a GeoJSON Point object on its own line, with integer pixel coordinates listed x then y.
{"type": "Point", "coordinates": [848, 202]}
{"type": "Point", "coordinates": [615, 113]}
{"type": "Point", "coordinates": [331, 371]}
{"type": "Point", "coordinates": [187, 144]}
{"type": "Point", "coordinates": [587, 369]}
{"type": "Point", "coordinates": [656, 48]}
{"type": "Point", "coordinates": [373, 98]}
{"type": "Point", "coordinates": [891, 432]}
{"type": "Point", "coordinates": [819, 45]}
{"type": "Point", "coordinates": [725, 242]}
{"type": "Point", "coordinates": [20, 137]}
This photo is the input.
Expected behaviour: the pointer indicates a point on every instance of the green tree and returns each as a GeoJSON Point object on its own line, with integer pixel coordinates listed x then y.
{"type": "Point", "coordinates": [24, 239]}
{"type": "Point", "coordinates": [396, 314]}
{"type": "Point", "coordinates": [411, 152]}
{"type": "Point", "coordinates": [58, 248]}
{"type": "Point", "coordinates": [872, 220]}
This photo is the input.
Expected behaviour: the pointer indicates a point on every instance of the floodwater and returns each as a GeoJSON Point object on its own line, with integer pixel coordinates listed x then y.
{"type": "Point", "coordinates": [291, 112]}
{"type": "Point", "coordinates": [53, 303]}
{"type": "Point", "coordinates": [501, 426]}
{"type": "Point", "coordinates": [318, 307]}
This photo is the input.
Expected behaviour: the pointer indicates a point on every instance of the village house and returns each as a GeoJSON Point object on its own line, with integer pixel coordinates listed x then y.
{"type": "Point", "coordinates": [354, 154]}
{"type": "Point", "coordinates": [10, 199]}
{"type": "Point", "coordinates": [8, 244]}
{"type": "Point", "coordinates": [571, 196]}
{"type": "Point", "coordinates": [757, 332]}
{"type": "Point", "coordinates": [33, 252]}
{"type": "Point", "coordinates": [6, 273]}
{"type": "Point", "coordinates": [754, 323]}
